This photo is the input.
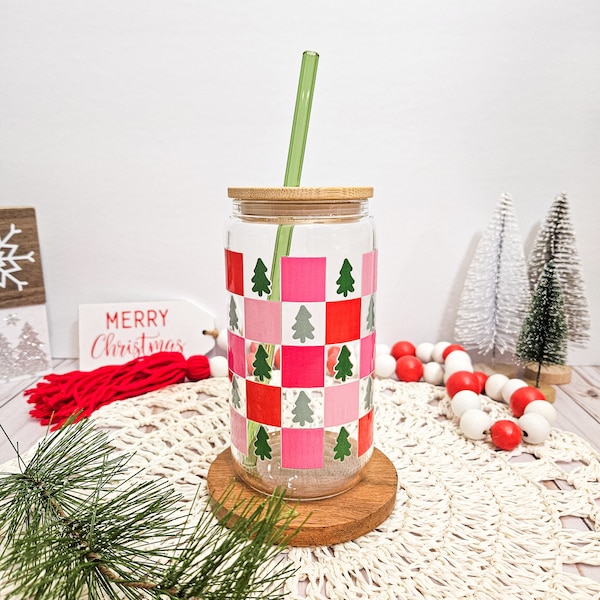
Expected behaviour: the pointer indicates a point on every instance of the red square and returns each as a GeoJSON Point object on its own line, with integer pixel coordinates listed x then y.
{"type": "Point", "coordinates": [342, 321]}
{"type": "Point", "coordinates": [234, 272]}
{"type": "Point", "coordinates": [263, 403]}
{"type": "Point", "coordinates": [365, 433]}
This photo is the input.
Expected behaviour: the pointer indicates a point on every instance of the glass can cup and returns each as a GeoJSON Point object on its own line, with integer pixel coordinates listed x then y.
{"type": "Point", "coordinates": [301, 275]}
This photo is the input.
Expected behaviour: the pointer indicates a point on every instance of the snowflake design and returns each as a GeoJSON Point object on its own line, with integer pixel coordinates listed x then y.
{"type": "Point", "coordinates": [9, 259]}
{"type": "Point", "coordinates": [12, 319]}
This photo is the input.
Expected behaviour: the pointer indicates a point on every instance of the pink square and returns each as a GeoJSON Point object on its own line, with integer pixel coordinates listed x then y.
{"type": "Point", "coordinates": [239, 431]}
{"type": "Point", "coordinates": [302, 448]}
{"type": "Point", "coordinates": [262, 320]}
{"type": "Point", "coordinates": [302, 366]}
{"type": "Point", "coordinates": [341, 403]}
{"type": "Point", "coordinates": [369, 273]}
{"type": "Point", "coordinates": [236, 354]}
{"type": "Point", "coordinates": [302, 279]}
{"type": "Point", "coordinates": [367, 355]}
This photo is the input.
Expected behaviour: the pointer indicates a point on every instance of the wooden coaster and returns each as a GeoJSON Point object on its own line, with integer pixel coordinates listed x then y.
{"type": "Point", "coordinates": [329, 521]}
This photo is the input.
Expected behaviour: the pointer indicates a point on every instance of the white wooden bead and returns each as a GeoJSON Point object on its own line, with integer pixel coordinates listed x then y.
{"type": "Point", "coordinates": [494, 385]}
{"type": "Point", "coordinates": [222, 340]}
{"type": "Point", "coordinates": [463, 401]}
{"type": "Point", "coordinates": [458, 357]}
{"type": "Point", "coordinates": [475, 424]}
{"type": "Point", "coordinates": [511, 386]}
{"type": "Point", "coordinates": [218, 366]}
{"type": "Point", "coordinates": [385, 365]}
{"type": "Point", "coordinates": [438, 350]}
{"type": "Point", "coordinates": [382, 349]}
{"type": "Point", "coordinates": [457, 365]}
{"type": "Point", "coordinates": [544, 408]}
{"type": "Point", "coordinates": [433, 373]}
{"type": "Point", "coordinates": [535, 427]}
{"type": "Point", "coordinates": [423, 351]}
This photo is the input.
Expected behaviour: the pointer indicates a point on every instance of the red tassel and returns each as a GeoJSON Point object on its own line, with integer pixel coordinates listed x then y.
{"type": "Point", "coordinates": [58, 397]}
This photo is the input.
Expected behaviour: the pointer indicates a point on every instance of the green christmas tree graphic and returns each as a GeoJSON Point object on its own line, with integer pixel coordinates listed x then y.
{"type": "Point", "coordinates": [261, 444]}
{"type": "Point", "coordinates": [371, 315]}
{"type": "Point", "coordinates": [235, 394]}
{"type": "Point", "coordinates": [302, 411]}
{"type": "Point", "coordinates": [303, 328]}
{"type": "Point", "coordinates": [233, 318]}
{"type": "Point", "coordinates": [262, 369]}
{"type": "Point", "coordinates": [345, 281]}
{"type": "Point", "coordinates": [368, 397]}
{"type": "Point", "coordinates": [261, 282]}
{"type": "Point", "coordinates": [342, 446]}
{"type": "Point", "coordinates": [343, 366]}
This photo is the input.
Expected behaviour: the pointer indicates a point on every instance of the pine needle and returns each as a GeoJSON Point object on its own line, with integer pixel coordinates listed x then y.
{"type": "Point", "coordinates": [75, 523]}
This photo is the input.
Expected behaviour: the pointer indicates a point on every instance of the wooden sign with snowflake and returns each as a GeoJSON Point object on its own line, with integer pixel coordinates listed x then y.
{"type": "Point", "coordinates": [24, 343]}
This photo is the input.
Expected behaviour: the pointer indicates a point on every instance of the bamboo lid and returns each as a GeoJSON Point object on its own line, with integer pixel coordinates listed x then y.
{"type": "Point", "coordinates": [327, 194]}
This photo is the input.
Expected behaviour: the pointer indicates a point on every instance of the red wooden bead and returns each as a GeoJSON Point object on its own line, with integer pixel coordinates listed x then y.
{"type": "Point", "coordinates": [506, 434]}
{"type": "Point", "coordinates": [332, 359]}
{"type": "Point", "coordinates": [249, 362]}
{"type": "Point", "coordinates": [483, 377]}
{"type": "Point", "coordinates": [403, 348]}
{"type": "Point", "coordinates": [521, 397]}
{"type": "Point", "coordinates": [277, 359]}
{"type": "Point", "coordinates": [451, 348]}
{"type": "Point", "coordinates": [409, 368]}
{"type": "Point", "coordinates": [462, 380]}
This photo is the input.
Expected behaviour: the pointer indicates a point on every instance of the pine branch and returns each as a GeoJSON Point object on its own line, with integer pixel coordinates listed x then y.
{"type": "Point", "coordinates": [74, 523]}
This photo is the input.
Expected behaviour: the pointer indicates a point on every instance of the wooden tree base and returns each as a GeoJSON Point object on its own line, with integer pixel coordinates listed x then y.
{"type": "Point", "coordinates": [549, 391]}
{"type": "Point", "coordinates": [329, 521]}
{"type": "Point", "coordinates": [549, 374]}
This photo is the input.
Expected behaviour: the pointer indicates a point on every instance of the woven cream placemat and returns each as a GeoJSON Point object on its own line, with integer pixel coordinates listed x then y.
{"type": "Point", "coordinates": [470, 521]}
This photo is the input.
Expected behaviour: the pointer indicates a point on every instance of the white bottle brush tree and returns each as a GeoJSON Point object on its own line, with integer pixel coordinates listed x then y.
{"type": "Point", "coordinates": [555, 242]}
{"type": "Point", "coordinates": [495, 295]}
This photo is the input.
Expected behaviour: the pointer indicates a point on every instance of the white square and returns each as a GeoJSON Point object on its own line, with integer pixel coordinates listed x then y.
{"type": "Point", "coordinates": [303, 323]}
{"type": "Point", "coordinates": [344, 276]}
{"type": "Point", "coordinates": [302, 408]}
{"type": "Point", "coordinates": [237, 396]}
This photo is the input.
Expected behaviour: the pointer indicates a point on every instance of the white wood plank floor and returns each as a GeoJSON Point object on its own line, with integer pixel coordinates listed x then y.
{"type": "Point", "coordinates": [577, 405]}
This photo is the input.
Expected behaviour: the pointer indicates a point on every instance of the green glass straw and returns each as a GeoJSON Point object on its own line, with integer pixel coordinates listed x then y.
{"type": "Point", "coordinates": [293, 170]}
{"type": "Point", "coordinates": [304, 96]}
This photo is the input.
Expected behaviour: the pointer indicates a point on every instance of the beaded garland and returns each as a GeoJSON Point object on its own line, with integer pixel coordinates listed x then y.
{"type": "Point", "coordinates": [450, 364]}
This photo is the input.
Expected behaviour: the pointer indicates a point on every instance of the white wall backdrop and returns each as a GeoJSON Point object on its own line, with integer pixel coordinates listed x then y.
{"type": "Point", "coordinates": [123, 123]}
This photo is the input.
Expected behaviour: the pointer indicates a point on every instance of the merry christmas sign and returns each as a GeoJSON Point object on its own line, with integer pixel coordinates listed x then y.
{"type": "Point", "coordinates": [24, 340]}
{"type": "Point", "coordinates": [115, 333]}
